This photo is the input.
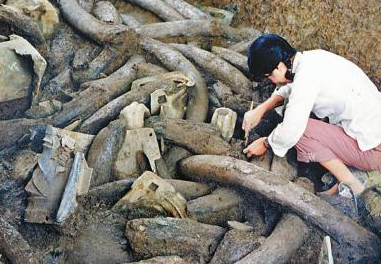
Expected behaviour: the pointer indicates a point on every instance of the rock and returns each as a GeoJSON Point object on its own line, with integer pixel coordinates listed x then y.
{"type": "Point", "coordinates": [103, 151]}
{"type": "Point", "coordinates": [235, 245]}
{"type": "Point", "coordinates": [217, 208]}
{"type": "Point", "coordinates": [190, 190]}
{"type": "Point", "coordinates": [24, 165]}
{"type": "Point", "coordinates": [186, 238]}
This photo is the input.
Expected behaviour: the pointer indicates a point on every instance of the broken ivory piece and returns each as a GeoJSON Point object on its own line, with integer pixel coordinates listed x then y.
{"type": "Point", "coordinates": [240, 226]}
{"type": "Point", "coordinates": [170, 102]}
{"type": "Point", "coordinates": [78, 184]}
{"type": "Point", "coordinates": [139, 146]}
{"type": "Point", "coordinates": [326, 256]}
{"type": "Point", "coordinates": [225, 120]}
{"type": "Point", "coordinates": [197, 107]}
{"type": "Point", "coordinates": [133, 115]}
{"type": "Point", "coordinates": [50, 177]}
{"type": "Point", "coordinates": [150, 190]}
{"type": "Point", "coordinates": [14, 77]}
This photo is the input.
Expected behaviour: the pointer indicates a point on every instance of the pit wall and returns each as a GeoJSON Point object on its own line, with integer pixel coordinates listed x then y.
{"type": "Point", "coordinates": [350, 28]}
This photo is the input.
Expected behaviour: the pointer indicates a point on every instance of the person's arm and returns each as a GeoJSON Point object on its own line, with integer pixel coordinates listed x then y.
{"type": "Point", "coordinates": [253, 117]}
{"type": "Point", "coordinates": [301, 101]}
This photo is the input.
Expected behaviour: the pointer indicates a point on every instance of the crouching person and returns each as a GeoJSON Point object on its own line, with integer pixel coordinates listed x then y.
{"type": "Point", "coordinates": [329, 86]}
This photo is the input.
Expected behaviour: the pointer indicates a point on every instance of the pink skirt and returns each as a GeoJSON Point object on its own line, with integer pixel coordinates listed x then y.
{"type": "Point", "coordinates": [324, 142]}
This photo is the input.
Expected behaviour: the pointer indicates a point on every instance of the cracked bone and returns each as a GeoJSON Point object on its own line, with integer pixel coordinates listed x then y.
{"type": "Point", "coordinates": [138, 143]}
{"type": "Point", "coordinates": [170, 103]}
{"type": "Point", "coordinates": [50, 177]}
{"type": "Point", "coordinates": [133, 115]}
{"type": "Point", "coordinates": [225, 120]}
{"type": "Point", "coordinates": [78, 184]}
{"type": "Point", "coordinates": [151, 191]}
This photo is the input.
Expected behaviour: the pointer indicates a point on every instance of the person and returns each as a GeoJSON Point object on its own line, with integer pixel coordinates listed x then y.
{"type": "Point", "coordinates": [329, 86]}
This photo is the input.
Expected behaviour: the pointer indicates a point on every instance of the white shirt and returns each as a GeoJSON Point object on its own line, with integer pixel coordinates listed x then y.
{"type": "Point", "coordinates": [329, 86]}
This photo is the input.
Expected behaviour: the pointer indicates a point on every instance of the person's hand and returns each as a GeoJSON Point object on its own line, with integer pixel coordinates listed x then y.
{"type": "Point", "coordinates": [252, 118]}
{"type": "Point", "coordinates": [256, 148]}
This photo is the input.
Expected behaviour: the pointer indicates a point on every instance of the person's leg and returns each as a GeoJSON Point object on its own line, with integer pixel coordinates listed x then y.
{"type": "Point", "coordinates": [341, 172]}
{"type": "Point", "coordinates": [333, 149]}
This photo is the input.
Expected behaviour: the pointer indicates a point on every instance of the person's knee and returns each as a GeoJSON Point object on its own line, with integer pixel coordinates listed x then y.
{"type": "Point", "coordinates": [312, 150]}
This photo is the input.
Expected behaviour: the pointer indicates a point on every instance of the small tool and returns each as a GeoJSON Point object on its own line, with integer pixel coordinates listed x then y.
{"type": "Point", "coordinates": [247, 131]}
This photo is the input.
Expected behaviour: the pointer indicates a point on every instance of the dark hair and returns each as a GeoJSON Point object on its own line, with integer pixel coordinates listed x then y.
{"type": "Point", "coordinates": [266, 52]}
